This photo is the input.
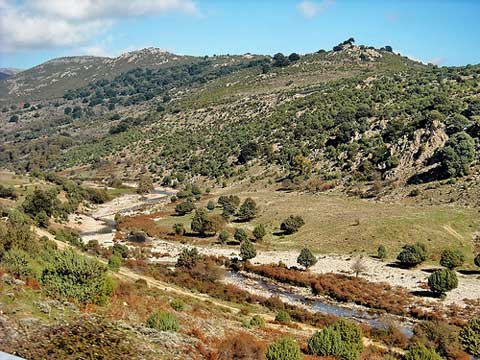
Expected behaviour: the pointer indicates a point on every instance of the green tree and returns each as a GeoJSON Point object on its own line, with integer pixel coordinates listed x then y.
{"type": "Point", "coordinates": [223, 236]}
{"type": "Point", "coordinates": [412, 255]}
{"type": "Point", "coordinates": [240, 235]}
{"type": "Point", "coordinates": [470, 336]}
{"type": "Point", "coordinates": [306, 258]}
{"type": "Point", "coordinates": [247, 250]}
{"type": "Point", "coordinates": [284, 349]}
{"type": "Point", "coordinates": [188, 258]}
{"type": "Point", "coordinates": [211, 205]}
{"type": "Point", "coordinates": [178, 229]}
{"type": "Point", "coordinates": [443, 280]}
{"type": "Point", "coordinates": [114, 262]}
{"type": "Point", "coordinates": [293, 57]}
{"type": "Point", "coordinates": [283, 317]}
{"type": "Point", "coordinates": [248, 210]}
{"type": "Point", "coordinates": [291, 224]}
{"type": "Point", "coordinates": [145, 184]}
{"type": "Point", "coordinates": [201, 222]}
{"type": "Point", "coordinates": [457, 155]}
{"type": "Point", "coordinates": [452, 259]}
{"type": "Point", "coordinates": [39, 201]}
{"type": "Point", "coordinates": [382, 252]}
{"type": "Point", "coordinates": [185, 207]}
{"type": "Point", "coordinates": [259, 232]}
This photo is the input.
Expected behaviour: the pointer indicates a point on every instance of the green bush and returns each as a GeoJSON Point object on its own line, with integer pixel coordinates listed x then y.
{"type": "Point", "coordinates": [163, 321]}
{"type": "Point", "coordinates": [442, 280]}
{"type": "Point", "coordinates": [188, 258]}
{"type": "Point", "coordinates": [72, 276]}
{"type": "Point", "coordinates": [179, 229]}
{"type": "Point", "coordinates": [306, 258]}
{"type": "Point", "coordinates": [177, 304]}
{"type": "Point", "coordinates": [247, 250]}
{"type": "Point", "coordinates": [223, 236]}
{"type": "Point", "coordinates": [457, 155]}
{"type": "Point", "coordinates": [248, 210]}
{"type": "Point", "coordinates": [382, 252]}
{"type": "Point", "coordinates": [284, 349]}
{"type": "Point", "coordinates": [283, 317]}
{"type": "Point", "coordinates": [291, 224]}
{"type": "Point", "coordinates": [184, 207]}
{"type": "Point", "coordinates": [19, 263]}
{"type": "Point", "coordinates": [470, 336]}
{"type": "Point", "coordinates": [420, 352]}
{"type": "Point", "coordinates": [412, 255]}
{"type": "Point", "coordinates": [114, 262]}
{"type": "Point", "coordinates": [240, 235]}
{"type": "Point", "coordinates": [452, 259]}
{"type": "Point", "coordinates": [259, 232]}
{"type": "Point", "coordinates": [257, 321]}
{"type": "Point", "coordinates": [211, 205]}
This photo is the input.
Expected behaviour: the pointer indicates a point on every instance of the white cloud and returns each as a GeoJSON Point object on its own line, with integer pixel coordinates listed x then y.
{"type": "Point", "coordinates": [437, 61]}
{"type": "Point", "coordinates": [309, 9]}
{"type": "Point", "coordinates": [42, 24]}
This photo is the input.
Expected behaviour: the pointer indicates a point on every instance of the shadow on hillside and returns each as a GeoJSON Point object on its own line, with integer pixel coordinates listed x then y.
{"type": "Point", "coordinates": [425, 293]}
{"type": "Point", "coordinates": [469, 272]}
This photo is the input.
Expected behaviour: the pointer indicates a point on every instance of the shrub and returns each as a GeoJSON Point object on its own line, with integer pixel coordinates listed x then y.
{"type": "Point", "coordinates": [177, 304]}
{"type": "Point", "coordinates": [342, 340]}
{"type": "Point", "coordinates": [470, 336]}
{"type": "Point", "coordinates": [163, 321]}
{"type": "Point", "coordinates": [179, 229]}
{"type": "Point", "coordinates": [145, 185]}
{"type": "Point", "coordinates": [257, 321]}
{"type": "Point", "coordinates": [382, 252]}
{"type": "Point", "coordinates": [247, 250]}
{"type": "Point", "coordinates": [457, 155]}
{"type": "Point", "coordinates": [420, 352]}
{"type": "Point", "coordinates": [291, 224]}
{"type": "Point", "coordinates": [412, 255]}
{"type": "Point", "coordinates": [240, 235]}
{"type": "Point", "coordinates": [121, 250]}
{"type": "Point", "coordinates": [42, 219]}
{"type": "Point", "coordinates": [8, 192]}
{"type": "Point", "coordinates": [223, 236]}
{"type": "Point", "coordinates": [248, 210]}
{"type": "Point", "coordinates": [240, 346]}
{"type": "Point", "coordinates": [72, 276]}
{"type": "Point", "coordinates": [188, 258]}
{"type": "Point", "coordinates": [184, 207]}
{"type": "Point", "coordinates": [19, 263]}
{"type": "Point", "coordinates": [284, 349]}
{"type": "Point", "coordinates": [442, 280]}
{"type": "Point", "coordinates": [283, 317]}
{"type": "Point", "coordinates": [259, 232]}
{"type": "Point", "coordinates": [452, 259]}
{"type": "Point", "coordinates": [114, 262]}
{"type": "Point", "coordinates": [306, 258]}
{"type": "Point", "coordinates": [211, 205]}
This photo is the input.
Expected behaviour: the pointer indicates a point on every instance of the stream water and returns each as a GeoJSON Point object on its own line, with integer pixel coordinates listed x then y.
{"type": "Point", "coordinates": [291, 295]}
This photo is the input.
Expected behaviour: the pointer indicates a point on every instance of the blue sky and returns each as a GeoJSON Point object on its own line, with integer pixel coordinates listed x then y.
{"type": "Point", "coordinates": [33, 31]}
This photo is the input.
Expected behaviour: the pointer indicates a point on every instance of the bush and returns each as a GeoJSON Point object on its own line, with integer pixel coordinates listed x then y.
{"type": "Point", "coordinates": [121, 250]}
{"type": "Point", "coordinates": [163, 321]}
{"type": "Point", "coordinates": [19, 263]}
{"type": "Point", "coordinates": [442, 281]}
{"type": "Point", "coordinates": [412, 255]}
{"type": "Point", "coordinates": [259, 232]}
{"type": "Point", "coordinates": [470, 336]}
{"type": "Point", "coordinates": [8, 192]}
{"type": "Point", "coordinates": [72, 276]}
{"type": "Point", "coordinates": [247, 250]}
{"type": "Point", "coordinates": [188, 258]}
{"type": "Point", "coordinates": [291, 224]}
{"type": "Point", "coordinates": [452, 259]}
{"type": "Point", "coordinates": [179, 229]}
{"type": "Point", "coordinates": [145, 185]}
{"type": "Point", "coordinates": [283, 317]}
{"type": "Point", "coordinates": [114, 262]}
{"type": "Point", "coordinates": [420, 352]}
{"type": "Point", "coordinates": [342, 340]}
{"type": "Point", "coordinates": [284, 349]}
{"type": "Point", "coordinates": [211, 205]}
{"type": "Point", "coordinates": [382, 252]}
{"type": "Point", "coordinates": [240, 346]}
{"type": "Point", "coordinates": [184, 207]}
{"type": "Point", "coordinates": [457, 155]}
{"type": "Point", "coordinates": [223, 236]}
{"type": "Point", "coordinates": [177, 304]}
{"type": "Point", "coordinates": [306, 258]}
{"type": "Point", "coordinates": [240, 235]}
{"type": "Point", "coordinates": [257, 321]}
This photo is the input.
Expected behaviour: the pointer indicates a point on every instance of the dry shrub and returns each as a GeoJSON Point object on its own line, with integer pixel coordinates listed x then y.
{"type": "Point", "coordinates": [241, 346]}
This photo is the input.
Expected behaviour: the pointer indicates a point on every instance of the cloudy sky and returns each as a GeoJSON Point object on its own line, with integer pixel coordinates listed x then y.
{"type": "Point", "coordinates": [32, 31]}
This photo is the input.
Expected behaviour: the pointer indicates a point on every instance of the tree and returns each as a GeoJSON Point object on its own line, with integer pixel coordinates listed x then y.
{"type": "Point", "coordinates": [412, 255]}
{"type": "Point", "coordinates": [359, 266]}
{"type": "Point", "coordinates": [306, 258]}
{"type": "Point", "coordinates": [259, 232]}
{"type": "Point", "coordinates": [240, 235]}
{"type": "Point", "coordinates": [223, 236]}
{"type": "Point", "coordinates": [114, 262]}
{"type": "Point", "coordinates": [247, 250]}
{"type": "Point", "coordinates": [443, 280]}
{"type": "Point", "coordinates": [293, 57]}
{"type": "Point", "coordinates": [39, 201]}
{"type": "Point", "coordinates": [470, 336]}
{"type": "Point", "coordinates": [452, 259]}
{"type": "Point", "coordinates": [248, 152]}
{"type": "Point", "coordinates": [420, 352]}
{"type": "Point", "coordinates": [188, 259]}
{"type": "Point", "coordinates": [283, 317]}
{"type": "Point", "coordinates": [388, 48]}
{"type": "Point", "coordinates": [201, 222]}
{"type": "Point", "coordinates": [184, 207]}
{"type": "Point", "coordinates": [382, 252]}
{"type": "Point", "coordinates": [179, 229]}
{"type": "Point", "coordinates": [248, 210]}
{"type": "Point", "coordinates": [291, 224]}
{"type": "Point", "coordinates": [145, 185]}
{"type": "Point", "coordinates": [211, 205]}
{"type": "Point", "coordinates": [457, 155]}
{"type": "Point", "coordinates": [279, 60]}
{"type": "Point", "coordinates": [284, 349]}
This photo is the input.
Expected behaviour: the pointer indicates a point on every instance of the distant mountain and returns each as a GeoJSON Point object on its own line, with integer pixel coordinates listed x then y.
{"type": "Point", "coordinates": [5, 73]}
{"type": "Point", "coordinates": [50, 79]}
